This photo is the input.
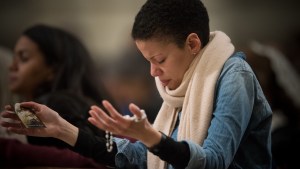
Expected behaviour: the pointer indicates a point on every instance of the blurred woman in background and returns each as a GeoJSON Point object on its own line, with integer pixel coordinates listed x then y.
{"type": "Point", "coordinates": [51, 66]}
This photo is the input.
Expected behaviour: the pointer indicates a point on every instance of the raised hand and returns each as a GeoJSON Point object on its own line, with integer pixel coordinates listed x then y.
{"type": "Point", "coordinates": [137, 126]}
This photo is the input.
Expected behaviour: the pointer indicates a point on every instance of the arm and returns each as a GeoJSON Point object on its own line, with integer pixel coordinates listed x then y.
{"type": "Point", "coordinates": [170, 150]}
{"type": "Point", "coordinates": [95, 147]}
{"type": "Point", "coordinates": [82, 142]}
{"type": "Point", "coordinates": [70, 107]}
{"type": "Point", "coordinates": [231, 115]}
{"type": "Point", "coordinates": [173, 152]}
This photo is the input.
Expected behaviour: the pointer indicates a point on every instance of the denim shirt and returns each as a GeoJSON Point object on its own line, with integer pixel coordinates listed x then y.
{"type": "Point", "coordinates": [239, 135]}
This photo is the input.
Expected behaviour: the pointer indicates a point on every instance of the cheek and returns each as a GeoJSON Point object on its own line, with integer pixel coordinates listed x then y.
{"type": "Point", "coordinates": [178, 74]}
{"type": "Point", "coordinates": [175, 75]}
{"type": "Point", "coordinates": [33, 75]}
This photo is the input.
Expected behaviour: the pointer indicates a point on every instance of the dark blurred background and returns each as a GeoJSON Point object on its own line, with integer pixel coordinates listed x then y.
{"type": "Point", "coordinates": [104, 25]}
{"type": "Point", "coordinates": [262, 29]}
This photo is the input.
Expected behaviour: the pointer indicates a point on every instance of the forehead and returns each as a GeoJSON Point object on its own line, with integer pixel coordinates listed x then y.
{"type": "Point", "coordinates": [150, 43]}
{"type": "Point", "coordinates": [25, 42]}
{"type": "Point", "coordinates": [153, 47]}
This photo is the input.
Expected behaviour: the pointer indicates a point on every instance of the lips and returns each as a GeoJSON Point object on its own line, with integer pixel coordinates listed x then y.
{"type": "Point", "coordinates": [164, 82]}
{"type": "Point", "coordinates": [12, 78]}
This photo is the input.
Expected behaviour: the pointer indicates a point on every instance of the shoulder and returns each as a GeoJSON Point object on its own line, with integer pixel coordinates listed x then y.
{"type": "Point", "coordinates": [236, 63]}
{"type": "Point", "coordinates": [237, 71]}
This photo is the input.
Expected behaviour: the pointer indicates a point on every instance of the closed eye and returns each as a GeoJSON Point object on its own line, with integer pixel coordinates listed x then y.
{"type": "Point", "coordinates": [23, 55]}
{"type": "Point", "coordinates": [161, 61]}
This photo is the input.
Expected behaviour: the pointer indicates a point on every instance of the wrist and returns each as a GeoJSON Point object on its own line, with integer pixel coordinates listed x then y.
{"type": "Point", "coordinates": [155, 149]}
{"type": "Point", "coordinates": [173, 152]}
{"type": "Point", "coordinates": [151, 137]}
{"type": "Point", "coordinates": [67, 132]}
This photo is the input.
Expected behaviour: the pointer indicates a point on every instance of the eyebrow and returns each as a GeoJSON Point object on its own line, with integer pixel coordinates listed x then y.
{"type": "Point", "coordinates": [22, 49]}
{"type": "Point", "coordinates": [152, 57]}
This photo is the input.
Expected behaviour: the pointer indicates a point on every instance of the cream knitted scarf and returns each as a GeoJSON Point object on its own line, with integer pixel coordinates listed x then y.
{"type": "Point", "coordinates": [194, 96]}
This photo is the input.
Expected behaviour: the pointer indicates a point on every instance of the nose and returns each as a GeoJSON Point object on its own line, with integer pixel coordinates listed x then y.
{"type": "Point", "coordinates": [14, 65]}
{"type": "Point", "coordinates": [155, 70]}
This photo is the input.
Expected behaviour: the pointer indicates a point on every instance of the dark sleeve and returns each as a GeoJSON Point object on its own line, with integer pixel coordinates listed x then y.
{"type": "Point", "coordinates": [173, 152]}
{"type": "Point", "coordinates": [95, 148]}
{"type": "Point", "coordinates": [72, 108]}
{"type": "Point", "coordinates": [13, 153]}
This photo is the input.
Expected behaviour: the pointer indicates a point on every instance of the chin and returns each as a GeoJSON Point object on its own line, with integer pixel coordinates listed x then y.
{"type": "Point", "coordinates": [171, 88]}
{"type": "Point", "coordinates": [13, 89]}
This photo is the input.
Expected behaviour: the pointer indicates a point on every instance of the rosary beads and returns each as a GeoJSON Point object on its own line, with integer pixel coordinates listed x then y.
{"type": "Point", "coordinates": [109, 141]}
{"type": "Point", "coordinates": [109, 136]}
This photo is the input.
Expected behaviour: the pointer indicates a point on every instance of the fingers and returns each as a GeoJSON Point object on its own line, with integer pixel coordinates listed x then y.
{"type": "Point", "coordinates": [114, 114]}
{"type": "Point", "coordinates": [140, 114]}
{"type": "Point", "coordinates": [117, 123]}
{"type": "Point", "coordinates": [42, 111]}
{"type": "Point", "coordinates": [10, 115]}
{"type": "Point", "coordinates": [133, 107]}
{"type": "Point", "coordinates": [17, 131]}
{"type": "Point", "coordinates": [12, 125]}
{"type": "Point", "coordinates": [100, 115]}
{"type": "Point", "coordinates": [108, 124]}
{"type": "Point", "coordinates": [100, 118]}
{"type": "Point", "coordinates": [123, 122]}
{"type": "Point", "coordinates": [10, 118]}
{"type": "Point", "coordinates": [8, 107]}
{"type": "Point", "coordinates": [32, 105]}
{"type": "Point", "coordinates": [96, 121]}
{"type": "Point", "coordinates": [112, 111]}
{"type": "Point", "coordinates": [114, 123]}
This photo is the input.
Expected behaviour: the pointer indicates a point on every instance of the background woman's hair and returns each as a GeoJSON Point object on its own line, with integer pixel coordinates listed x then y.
{"type": "Point", "coordinates": [70, 60]}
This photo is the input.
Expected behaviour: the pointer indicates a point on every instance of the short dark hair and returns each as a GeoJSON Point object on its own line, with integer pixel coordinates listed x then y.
{"type": "Point", "coordinates": [172, 20]}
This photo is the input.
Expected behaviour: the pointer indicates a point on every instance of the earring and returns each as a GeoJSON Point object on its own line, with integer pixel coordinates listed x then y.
{"type": "Point", "coordinates": [109, 141]}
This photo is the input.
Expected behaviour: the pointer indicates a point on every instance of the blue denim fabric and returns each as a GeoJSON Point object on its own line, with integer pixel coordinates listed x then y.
{"type": "Point", "coordinates": [239, 135]}
{"type": "Point", "coordinates": [130, 155]}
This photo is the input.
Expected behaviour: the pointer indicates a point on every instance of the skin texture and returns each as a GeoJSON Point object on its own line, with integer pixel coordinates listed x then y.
{"type": "Point", "coordinates": [168, 61]}
{"type": "Point", "coordinates": [28, 69]}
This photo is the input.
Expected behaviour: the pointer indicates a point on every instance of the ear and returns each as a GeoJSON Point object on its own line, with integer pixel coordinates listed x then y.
{"type": "Point", "coordinates": [193, 43]}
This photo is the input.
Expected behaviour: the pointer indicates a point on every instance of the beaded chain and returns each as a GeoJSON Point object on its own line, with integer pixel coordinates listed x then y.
{"type": "Point", "coordinates": [109, 141]}
{"type": "Point", "coordinates": [109, 137]}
